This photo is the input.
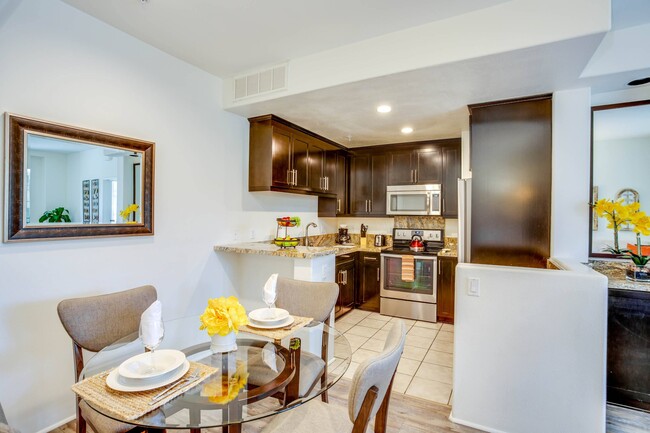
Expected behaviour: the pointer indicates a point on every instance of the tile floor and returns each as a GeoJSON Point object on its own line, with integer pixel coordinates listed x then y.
{"type": "Point", "coordinates": [425, 369]}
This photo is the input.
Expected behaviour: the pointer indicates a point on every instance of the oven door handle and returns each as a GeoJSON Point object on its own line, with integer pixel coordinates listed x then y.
{"type": "Point", "coordinates": [399, 256]}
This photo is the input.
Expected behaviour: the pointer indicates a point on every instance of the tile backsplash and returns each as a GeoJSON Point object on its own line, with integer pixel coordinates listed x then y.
{"type": "Point", "coordinates": [419, 222]}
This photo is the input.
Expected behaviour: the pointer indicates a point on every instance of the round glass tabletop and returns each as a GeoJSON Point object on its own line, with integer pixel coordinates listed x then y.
{"type": "Point", "coordinates": [261, 378]}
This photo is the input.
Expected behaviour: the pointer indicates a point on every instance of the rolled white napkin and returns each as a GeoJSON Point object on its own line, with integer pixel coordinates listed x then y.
{"type": "Point", "coordinates": [269, 293]}
{"type": "Point", "coordinates": [151, 325]}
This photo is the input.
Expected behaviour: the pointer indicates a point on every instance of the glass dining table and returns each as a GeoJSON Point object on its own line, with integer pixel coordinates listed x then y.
{"type": "Point", "coordinates": [261, 378]}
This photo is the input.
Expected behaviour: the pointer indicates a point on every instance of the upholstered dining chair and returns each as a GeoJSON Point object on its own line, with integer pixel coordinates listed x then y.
{"type": "Point", "coordinates": [93, 323]}
{"type": "Point", "coordinates": [369, 397]}
{"type": "Point", "coordinates": [306, 299]}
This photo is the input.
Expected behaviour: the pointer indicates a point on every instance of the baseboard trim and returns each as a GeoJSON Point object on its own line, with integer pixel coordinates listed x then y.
{"type": "Point", "coordinates": [57, 424]}
{"type": "Point", "coordinates": [472, 424]}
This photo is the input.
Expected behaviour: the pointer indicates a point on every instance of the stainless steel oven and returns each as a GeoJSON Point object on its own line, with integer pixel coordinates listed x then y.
{"type": "Point", "coordinates": [410, 299]}
{"type": "Point", "coordinates": [413, 199]}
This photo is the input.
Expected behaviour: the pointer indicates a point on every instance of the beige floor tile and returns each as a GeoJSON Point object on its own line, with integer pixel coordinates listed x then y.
{"type": "Point", "coordinates": [381, 335]}
{"type": "Point", "coordinates": [388, 326]}
{"type": "Point", "coordinates": [412, 352]}
{"type": "Point", "coordinates": [429, 390]}
{"type": "Point", "coordinates": [342, 326]}
{"type": "Point", "coordinates": [423, 342]}
{"type": "Point", "coordinates": [356, 341]}
{"type": "Point", "coordinates": [347, 319]}
{"type": "Point", "coordinates": [423, 332]}
{"type": "Point", "coordinates": [435, 372]}
{"type": "Point", "coordinates": [408, 366]}
{"type": "Point", "coordinates": [445, 336]}
{"type": "Point", "coordinates": [407, 322]}
{"type": "Point", "coordinates": [372, 323]}
{"type": "Point", "coordinates": [377, 316]}
{"type": "Point", "coordinates": [443, 346]}
{"type": "Point", "coordinates": [362, 354]}
{"type": "Point", "coordinates": [429, 325]}
{"type": "Point", "coordinates": [440, 358]}
{"type": "Point", "coordinates": [401, 382]}
{"type": "Point", "coordinates": [350, 371]}
{"type": "Point", "coordinates": [374, 344]}
{"type": "Point", "coordinates": [447, 327]}
{"type": "Point", "coordinates": [362, 331]}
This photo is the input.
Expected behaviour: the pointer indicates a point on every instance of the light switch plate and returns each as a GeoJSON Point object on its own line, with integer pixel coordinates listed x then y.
{"type": "Point", "coordinates": [473, 287]}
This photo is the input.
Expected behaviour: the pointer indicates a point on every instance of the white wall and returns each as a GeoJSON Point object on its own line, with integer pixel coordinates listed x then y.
{"type": "Point", "coordinates": [529, 352]}
{"type": "Point", "coordinates": [570, 177]}
{"type": "Point", "coordinates": [61, 65]}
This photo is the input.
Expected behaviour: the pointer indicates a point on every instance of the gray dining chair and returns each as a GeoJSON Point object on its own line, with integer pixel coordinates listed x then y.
{"type": "Point", "coordinates": [95, 322]}
{"type": "Point", "coordinates": [306, 299]}
{"type": "Point", "coordinates": [369, 397]}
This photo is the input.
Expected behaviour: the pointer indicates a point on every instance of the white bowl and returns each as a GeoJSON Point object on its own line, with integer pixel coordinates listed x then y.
{"type": "Point", "coordinates": [268, 316]}
{"type": "Point", "coordinates": [139, 366]}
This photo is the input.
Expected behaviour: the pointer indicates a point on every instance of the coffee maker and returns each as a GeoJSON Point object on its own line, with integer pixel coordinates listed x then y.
{"type": "Point", "coordinates": [343, 236]}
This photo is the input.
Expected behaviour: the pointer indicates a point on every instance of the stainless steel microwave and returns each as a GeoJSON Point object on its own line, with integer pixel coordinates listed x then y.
{"type": "Point", "coordinates": [413, 199]}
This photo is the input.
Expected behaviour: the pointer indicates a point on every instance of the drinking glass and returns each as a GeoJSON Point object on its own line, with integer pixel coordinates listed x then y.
{"type": "Point", "coordinates": [151, 334]}
{"type": "Point", "coordinates": [270, 302]}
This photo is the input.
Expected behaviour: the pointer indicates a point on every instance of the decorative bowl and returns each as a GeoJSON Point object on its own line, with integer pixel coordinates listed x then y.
{"type": "Point", "coordinates": [286, 243]}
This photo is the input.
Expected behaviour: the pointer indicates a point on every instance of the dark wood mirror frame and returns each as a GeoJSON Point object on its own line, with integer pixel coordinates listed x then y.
{"type": "Point", "coordinates": [591, 169]}
{"type": "Point", "coordinates": [14, 228]}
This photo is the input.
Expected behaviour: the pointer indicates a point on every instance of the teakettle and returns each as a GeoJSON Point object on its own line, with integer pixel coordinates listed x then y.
{"type": "Point", "coordinates": [416, 244]}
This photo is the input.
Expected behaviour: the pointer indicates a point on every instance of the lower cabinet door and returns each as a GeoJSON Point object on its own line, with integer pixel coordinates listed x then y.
{"type": "Point", "coordinates": [446, 288]}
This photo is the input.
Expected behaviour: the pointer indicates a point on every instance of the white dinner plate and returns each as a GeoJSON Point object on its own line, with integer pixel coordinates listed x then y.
{"type": "Point", "coordinates": [115, 381]}
{"type": "Point", "coordinates": [286, 322]}
{"type": "Point", "coordinates": [268, 316]}
{"type": "Point", "coordinates": [164, 361]}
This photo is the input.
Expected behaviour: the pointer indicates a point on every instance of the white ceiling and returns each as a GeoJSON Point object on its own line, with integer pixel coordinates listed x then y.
{"type": "Point", "coordinates": [228, 37]}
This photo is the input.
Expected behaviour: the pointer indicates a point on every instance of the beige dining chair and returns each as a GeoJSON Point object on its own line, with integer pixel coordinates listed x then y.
{"type": "Point", "coordinates": [369, 397]}
{"type": "Point", "coordinates": [95, 322]}
{"type": "Point", "coordinates": [306, 299]}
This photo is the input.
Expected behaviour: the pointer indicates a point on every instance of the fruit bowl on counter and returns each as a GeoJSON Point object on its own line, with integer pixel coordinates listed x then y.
{"type": "Point", "coordinates": [288, 222]}
{"type": "Point", "coordinates": [286, 242]}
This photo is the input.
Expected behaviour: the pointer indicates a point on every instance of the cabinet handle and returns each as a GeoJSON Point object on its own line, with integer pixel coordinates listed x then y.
{"type": "Point", "coordinates": [295, 177]}
{"type": "Point", "coordinates": [338, 205]}
{"type": "Point", "coordinates": [415, 176]}
{"type": "Point", "coordinates": [443, 204]}
{"type": "Point", "coordinates": [366, 206]}
{"type": "Point", "coordinates": [412, 177]}
{"type": "Point", "coordinates": [377, 274]}
{"type": "Point", "coordinates": [345, 256]}
{"type": "Point", "coordinates": [439, 269]}
{"type": "Point", "coordinates": [370, 205]}
{"type": "Point", "coordinates": [327, 183]}
{"type": "Point", "coordinates": [345, 277]}
{"type": "Point", "coordinates": [372, 259]}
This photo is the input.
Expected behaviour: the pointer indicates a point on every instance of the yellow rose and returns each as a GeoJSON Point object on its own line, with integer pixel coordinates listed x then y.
{"type": "Point", "coordinates": [223, 315]}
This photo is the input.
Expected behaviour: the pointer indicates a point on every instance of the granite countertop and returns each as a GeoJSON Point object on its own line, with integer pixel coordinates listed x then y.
{"type": "Point", "coordinates": [448, 252]}
{"type": "Point", "coordinates": [615, 273]}
{"type": "Point", "coordinates": [299, 252]}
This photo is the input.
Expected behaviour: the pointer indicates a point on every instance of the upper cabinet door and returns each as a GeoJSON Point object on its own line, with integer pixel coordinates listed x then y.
{"type": "Point", "coordinates": [379, 165]}
{"type": "Point", "coordinates": [360, 184]}
{"type": "Point", "coordinates": [281, 156]}
{"type": "Point", "coordinates": [317, 167]}
{"type": "Point", "coordinates": [300, 161]}
{"type": "Point", "coordinates": [401, 172]}
{"type": "Point", "coordinates": [428, 166]}
{"type": "Point", "coordinates": [339, 185]}
{"type": "Point", "coordinates": [450, 176]}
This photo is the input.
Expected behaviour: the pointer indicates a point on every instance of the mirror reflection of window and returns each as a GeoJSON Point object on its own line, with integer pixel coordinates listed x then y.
{"type": "Point", "coordinates": [621, 157]}
{"type": "Point", "coordinates": [59, 168]}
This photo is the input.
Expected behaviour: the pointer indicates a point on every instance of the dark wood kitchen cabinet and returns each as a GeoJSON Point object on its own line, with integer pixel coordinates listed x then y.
{"type": "Point", "coordinates": [368, 287]}
{"type": "Point", "coordinates": [346, 278]}
{"type": "Point", "coordinates": [446, 288]}
{"type": "Point", "coordinates": [336, 173]}
{"type": "Point", "coordinates": [450, 174]}
{"type": "Point", "coordinates": [419, 166]}
{"type": "Point", "coordinates": [368, 184]}
{"type": "Point", "coordinates": [286, 158]}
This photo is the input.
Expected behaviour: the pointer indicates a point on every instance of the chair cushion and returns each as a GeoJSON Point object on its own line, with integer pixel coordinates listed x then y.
{"type": "Point", "coordinates": [4, 428]}
{"type": "Point", "coordinates": [311, 367]}
{"type": "Point", "coordinates": [315, 417]}
{"type": "Point", "coordinates": [100, 422]}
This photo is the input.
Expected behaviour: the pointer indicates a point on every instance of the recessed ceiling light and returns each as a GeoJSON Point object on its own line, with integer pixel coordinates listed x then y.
{"type": "Point", "coordinates": [407, 130]}
{"type": "Point", "coordinates": [384, 108]}
{"type": "Point", "coordinates": [639, 82]}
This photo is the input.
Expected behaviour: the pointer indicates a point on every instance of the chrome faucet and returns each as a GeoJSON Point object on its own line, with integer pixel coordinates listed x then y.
{"type": "Point", "coordinates": [307, 242]}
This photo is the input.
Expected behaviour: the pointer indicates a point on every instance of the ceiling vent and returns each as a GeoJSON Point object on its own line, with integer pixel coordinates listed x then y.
{"type": "Point", "coordinates": [259, 83]}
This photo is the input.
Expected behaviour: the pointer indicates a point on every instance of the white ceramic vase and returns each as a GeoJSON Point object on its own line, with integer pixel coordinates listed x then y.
{"type": "Point", "coordinates": [223, 343]}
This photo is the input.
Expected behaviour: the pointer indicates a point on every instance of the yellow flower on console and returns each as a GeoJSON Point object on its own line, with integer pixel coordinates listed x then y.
{"type": "Point", "coordinates": [223, 315]}
{"type": "Point", "coordinates": [225, 389]}
{"type": "Point", "coordinates": [641, 223]}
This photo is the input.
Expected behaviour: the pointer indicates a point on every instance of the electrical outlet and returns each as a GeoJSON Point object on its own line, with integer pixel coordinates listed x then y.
{"type": "Point", "coordinates": [252, 234]}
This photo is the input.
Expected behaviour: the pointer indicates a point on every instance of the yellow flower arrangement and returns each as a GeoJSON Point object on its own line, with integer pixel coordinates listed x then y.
{"type": "Point", "coordinates": [127, 211]}
{"type": "Point", "coordinates": [223, 315]}
{"type": "Point", "coordinates": [618, 214]}
{"type": "Point", "coordinates": [222, 391]}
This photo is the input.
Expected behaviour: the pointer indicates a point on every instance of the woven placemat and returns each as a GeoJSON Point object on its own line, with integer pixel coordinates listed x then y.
{"type": "Point", "coordinates": [279, 333]}
{"type": "Point", "coordinates": [131, 405]}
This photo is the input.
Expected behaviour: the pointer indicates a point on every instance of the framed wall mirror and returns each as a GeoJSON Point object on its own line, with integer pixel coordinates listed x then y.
{"type": "Point", "coordinates": [68, 182]}
{"type": "Point", "coordinates": [620, 157]}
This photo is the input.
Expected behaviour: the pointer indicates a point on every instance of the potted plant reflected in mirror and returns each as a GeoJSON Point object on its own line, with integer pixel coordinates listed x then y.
{"type": "Point", "coordinates": [638, 271]}
{"type": "Point", "coordinates": [58, 215]}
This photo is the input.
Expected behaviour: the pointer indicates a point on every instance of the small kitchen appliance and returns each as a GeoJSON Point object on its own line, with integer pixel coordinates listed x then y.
{"type": "Point", "coordinates": [380, 240]}
{"type": "Point", "coordinates": [413, 297]}
{"type": "Point", "coordinates": [343, 237]}
{"type": "Point", "coordinates": [414, 199]}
